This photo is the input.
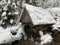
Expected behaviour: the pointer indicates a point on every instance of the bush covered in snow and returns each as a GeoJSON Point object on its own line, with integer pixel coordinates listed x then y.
{"type": "Point", "coordinates": [10, 12]}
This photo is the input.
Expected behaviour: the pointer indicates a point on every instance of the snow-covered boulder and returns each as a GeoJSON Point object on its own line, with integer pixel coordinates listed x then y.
{"type": "Point", "coordinates": [11, 34]}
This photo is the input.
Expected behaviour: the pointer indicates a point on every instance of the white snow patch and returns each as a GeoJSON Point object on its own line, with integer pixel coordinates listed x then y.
{"type": "Point", "coordinates": [47, 38]}
{"type": "Point", "coordinates": [41, 33]}
{"type": "Point", "coordinates": [5, 8]}
{"type": "Point", "coordinates": [9, 1]}
{"type": "Point", "coordinates": [5, 17]}
{"type": "Point", "coordinates": [17, 13]}
{"type": "Point", "coordinates": [11, 21]}
{"type": "Point", "coordinates": [9, 13]}
{"type": "Point", "coordinates": [4, 13]}
{"type": "Point", "coordinates": [7, 37]}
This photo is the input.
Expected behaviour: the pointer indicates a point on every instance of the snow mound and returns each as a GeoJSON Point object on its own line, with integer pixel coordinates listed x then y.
{"type": "Point", "coordinates": [47, 38]}
{"type": "Point", "coordinates": [11, 34]}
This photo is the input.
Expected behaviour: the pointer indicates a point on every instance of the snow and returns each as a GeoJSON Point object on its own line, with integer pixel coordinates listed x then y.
{"type": "Point", "coordinates": [56, 14]}
{"type": "Point", "coordinates": [5, 8]}
{"type": "Point", "coordinates": [3, 23]}
{"type": "Point", "coordinates": [0, 10]}
{"type": "Point", "coordinates": [5, 17]}
{"type": "Point", "coordinates": [4, 13]}
{"type": "Point", "coordinates": [18, 3]}
{"type": "Point", "coordinates": [39, 15]}
{"type": "Point", "coordinates": [55, 11]}
{"type": "Point", "coordinates": [41, 33]}
{"type": "Point", "coordinates": [9, 1]}
{"type": "Point", "coordinates": [11, 21]}
{"type": "Point", "coordinates": [9, 13]}
{"type": "Point", "coordinates": [56, 27]}
{"type": "Point", "coordinates": [13, 3]}
{"type": "Point", "coordinates": [47, 38]}
{"type": "Point", "coordinates": [17, 13]}
{"type": "Point", "coordinates": [3, 2]}
{"type": "Point", "coordinates": [7, 37]}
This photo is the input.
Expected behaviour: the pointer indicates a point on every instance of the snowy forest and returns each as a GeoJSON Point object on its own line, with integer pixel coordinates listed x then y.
{"type": "Point", "coordinates": [29, 22]}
